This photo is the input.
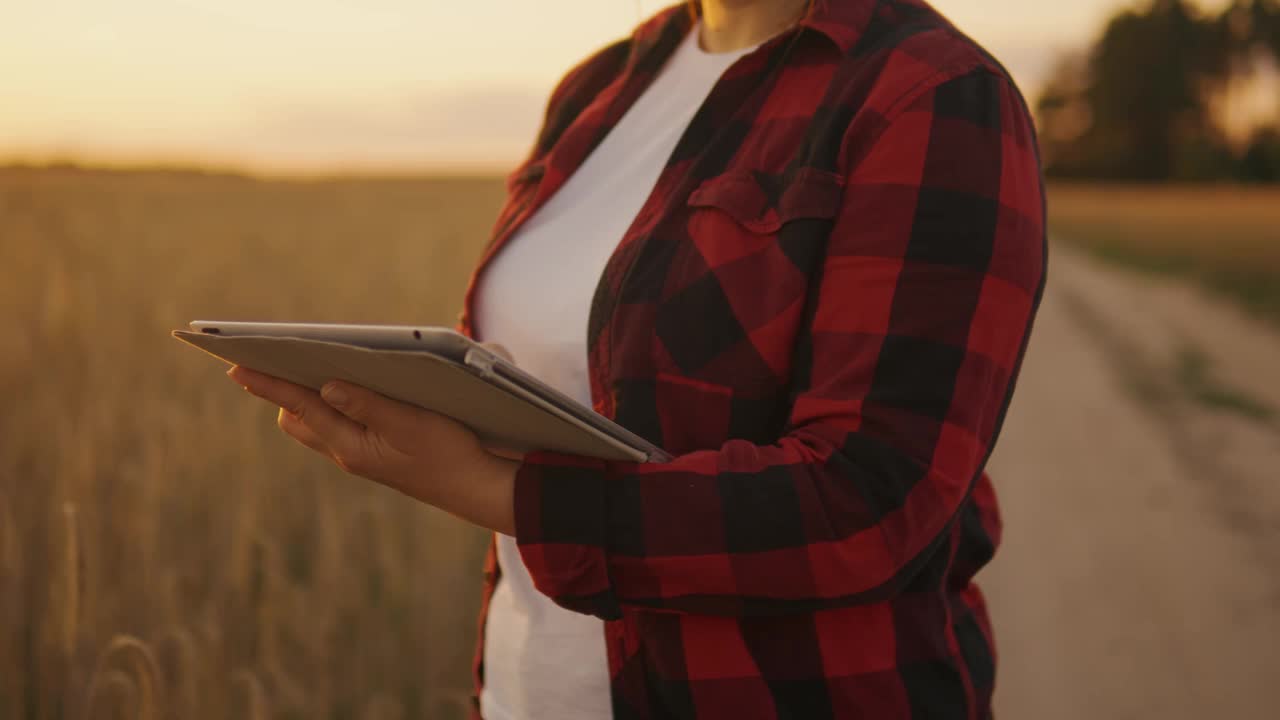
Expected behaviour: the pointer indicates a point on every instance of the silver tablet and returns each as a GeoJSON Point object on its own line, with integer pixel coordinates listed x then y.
{"type": "Point", "coordinates": [452, 346]}
{"type": "Point", "coordinates": [439, 340]}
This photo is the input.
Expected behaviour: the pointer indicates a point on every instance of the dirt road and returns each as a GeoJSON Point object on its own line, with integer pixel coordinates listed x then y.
{"type": "Point", "coordinates": [1139, 477]}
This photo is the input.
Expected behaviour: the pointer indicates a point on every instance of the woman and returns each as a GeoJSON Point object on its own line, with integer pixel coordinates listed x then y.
{"type": "Point", "coordinates": [800, 246]}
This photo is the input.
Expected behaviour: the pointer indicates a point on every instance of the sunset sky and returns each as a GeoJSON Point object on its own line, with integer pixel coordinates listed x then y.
{"type": "Point", "coordinates": [351, 84]}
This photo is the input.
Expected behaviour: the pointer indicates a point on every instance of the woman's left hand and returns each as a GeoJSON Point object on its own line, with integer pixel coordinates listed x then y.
{"type": "Point", "coordinates": [423, 454]}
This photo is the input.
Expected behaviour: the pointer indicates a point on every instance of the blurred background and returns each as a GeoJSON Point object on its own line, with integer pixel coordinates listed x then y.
{"type": "Point", "coordinates": [165, 552]}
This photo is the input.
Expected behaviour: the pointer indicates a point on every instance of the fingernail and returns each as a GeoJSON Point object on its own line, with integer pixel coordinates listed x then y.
{"type": "Point", "coordinates": [333, 395]}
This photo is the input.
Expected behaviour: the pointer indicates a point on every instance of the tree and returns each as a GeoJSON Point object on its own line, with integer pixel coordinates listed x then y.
{"type": "Point", "coordinates": [1138, 105]}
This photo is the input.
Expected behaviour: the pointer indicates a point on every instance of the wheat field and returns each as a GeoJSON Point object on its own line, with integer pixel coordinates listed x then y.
{"type": "Point", "coordinates": [167, 552]}
{"type": "Point", "coordinates": [1228, 226]}
{"type": "Point", "coordinates": [1224, 237]}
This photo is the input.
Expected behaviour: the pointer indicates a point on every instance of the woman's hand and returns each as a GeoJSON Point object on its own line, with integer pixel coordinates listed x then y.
{"type": "Point", "coordinates": [423, 454]}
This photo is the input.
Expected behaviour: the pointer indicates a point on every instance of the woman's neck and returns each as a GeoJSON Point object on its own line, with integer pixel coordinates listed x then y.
{"type": "Point", "coordinates": [729, 25]}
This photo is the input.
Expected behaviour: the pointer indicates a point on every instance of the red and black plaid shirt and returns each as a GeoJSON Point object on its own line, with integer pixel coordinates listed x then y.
{"type": "Point", "coordinates": [820, 311]}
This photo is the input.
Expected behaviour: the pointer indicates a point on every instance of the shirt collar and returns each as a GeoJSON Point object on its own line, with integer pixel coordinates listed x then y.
{"type": "Point", "coordinates": [843, 21]}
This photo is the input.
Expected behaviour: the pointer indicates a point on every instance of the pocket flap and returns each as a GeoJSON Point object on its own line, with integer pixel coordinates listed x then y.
{"type": "Point", "coordinates": [809, 193]}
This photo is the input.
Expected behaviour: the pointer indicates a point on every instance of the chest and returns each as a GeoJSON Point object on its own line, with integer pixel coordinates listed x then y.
{"type": "Point", "coordinates": [696, 316]}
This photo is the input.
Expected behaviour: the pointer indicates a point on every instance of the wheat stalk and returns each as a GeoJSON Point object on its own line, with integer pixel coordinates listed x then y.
{"type": "Point", "coordinates": [265, 575]}
{"type": "Point", "coordinates": [288, 692]}
{"type": "Point", "coordinates": [71, 577]}
{"type": "Point", "coordinates": [144, 673]}
{"type": "Point", "coordinates": [10, 572]}
{"type": "Point", "coordinates": [180, 666]}
{"type": "Point", "coordinates": [11, 674]}
{"type": "Point", "coordinates": [8, 548]}
{"type": "Point", "coordinates": [118, 685]}
{"type": "Point", "coordinates": [255, 705]}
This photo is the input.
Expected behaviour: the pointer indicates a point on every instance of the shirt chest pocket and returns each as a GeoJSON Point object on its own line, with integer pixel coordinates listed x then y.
{"type": "Point", "coordinates": [760, 238]}
{"type": "Point", "coordinates": [734, 299]}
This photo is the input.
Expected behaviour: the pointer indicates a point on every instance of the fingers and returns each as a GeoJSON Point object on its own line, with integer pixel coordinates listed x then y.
{"type": "Point", "coordinates": [299, 431]}
{"type": "Point", "coordinates": [402, 425]}
{"type": "Point", "coordinates": [337, 432]}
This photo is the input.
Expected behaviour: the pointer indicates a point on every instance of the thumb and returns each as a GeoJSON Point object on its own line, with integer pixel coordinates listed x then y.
{"type": "Point", "coordinates": [353, 401]}
{"type": "Point", "coordinates": [401, 424]}
{"type": "Point", "coordinates": [389, 418]}
{"type": "Point", "coordinates": [499, 350]}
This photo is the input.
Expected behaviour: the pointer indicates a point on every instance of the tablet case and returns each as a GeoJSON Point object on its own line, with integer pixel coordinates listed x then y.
{"type": "Point", "coordinates": [497, 413]}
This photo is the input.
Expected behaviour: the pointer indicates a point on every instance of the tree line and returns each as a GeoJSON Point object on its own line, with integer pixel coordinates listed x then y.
{"type": "Point", "coordinates": [1147, 101]}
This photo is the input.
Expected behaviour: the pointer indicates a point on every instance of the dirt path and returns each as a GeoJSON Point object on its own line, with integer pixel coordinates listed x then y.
{"type": "Point", "coordinates": [1139, 575]}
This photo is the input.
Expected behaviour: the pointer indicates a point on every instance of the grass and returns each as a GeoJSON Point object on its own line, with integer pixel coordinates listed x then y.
{"type": "Point", "coordinates": [1226, 238]}
{"type": "Point", "coordinates": [164, 548]}
{"type": "Point", "coordinates": [1194, 375]}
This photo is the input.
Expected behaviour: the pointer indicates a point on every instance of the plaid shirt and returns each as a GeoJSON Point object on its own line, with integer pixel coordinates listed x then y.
{"type": "Point", "coordinates": [820, 311]}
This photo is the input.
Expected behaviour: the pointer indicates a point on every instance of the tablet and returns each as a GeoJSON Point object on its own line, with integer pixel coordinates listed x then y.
{"type": "Point", "coordinates": [432, 367]}
{"type": "Point", "coordinates": [380, 337]}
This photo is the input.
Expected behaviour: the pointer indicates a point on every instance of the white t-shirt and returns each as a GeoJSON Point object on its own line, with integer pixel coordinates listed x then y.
{"type": "Point", "coordinates": [542, 662]}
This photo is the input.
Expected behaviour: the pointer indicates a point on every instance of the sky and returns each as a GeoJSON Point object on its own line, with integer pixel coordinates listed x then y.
{"type": "Point", "coordinates": [353, 85]}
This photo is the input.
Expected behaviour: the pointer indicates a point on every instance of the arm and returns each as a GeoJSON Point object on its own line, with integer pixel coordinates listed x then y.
{"type": "Point", "coordinates": [930, 282]}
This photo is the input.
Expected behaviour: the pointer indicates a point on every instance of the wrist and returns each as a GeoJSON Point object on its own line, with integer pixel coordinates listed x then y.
{"type": "Point", "coordinates": [481, 491]}
{"type": "Point", "coordinates": [503, 484]}
{"type": "Point", "coordinates": [472, 485]}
